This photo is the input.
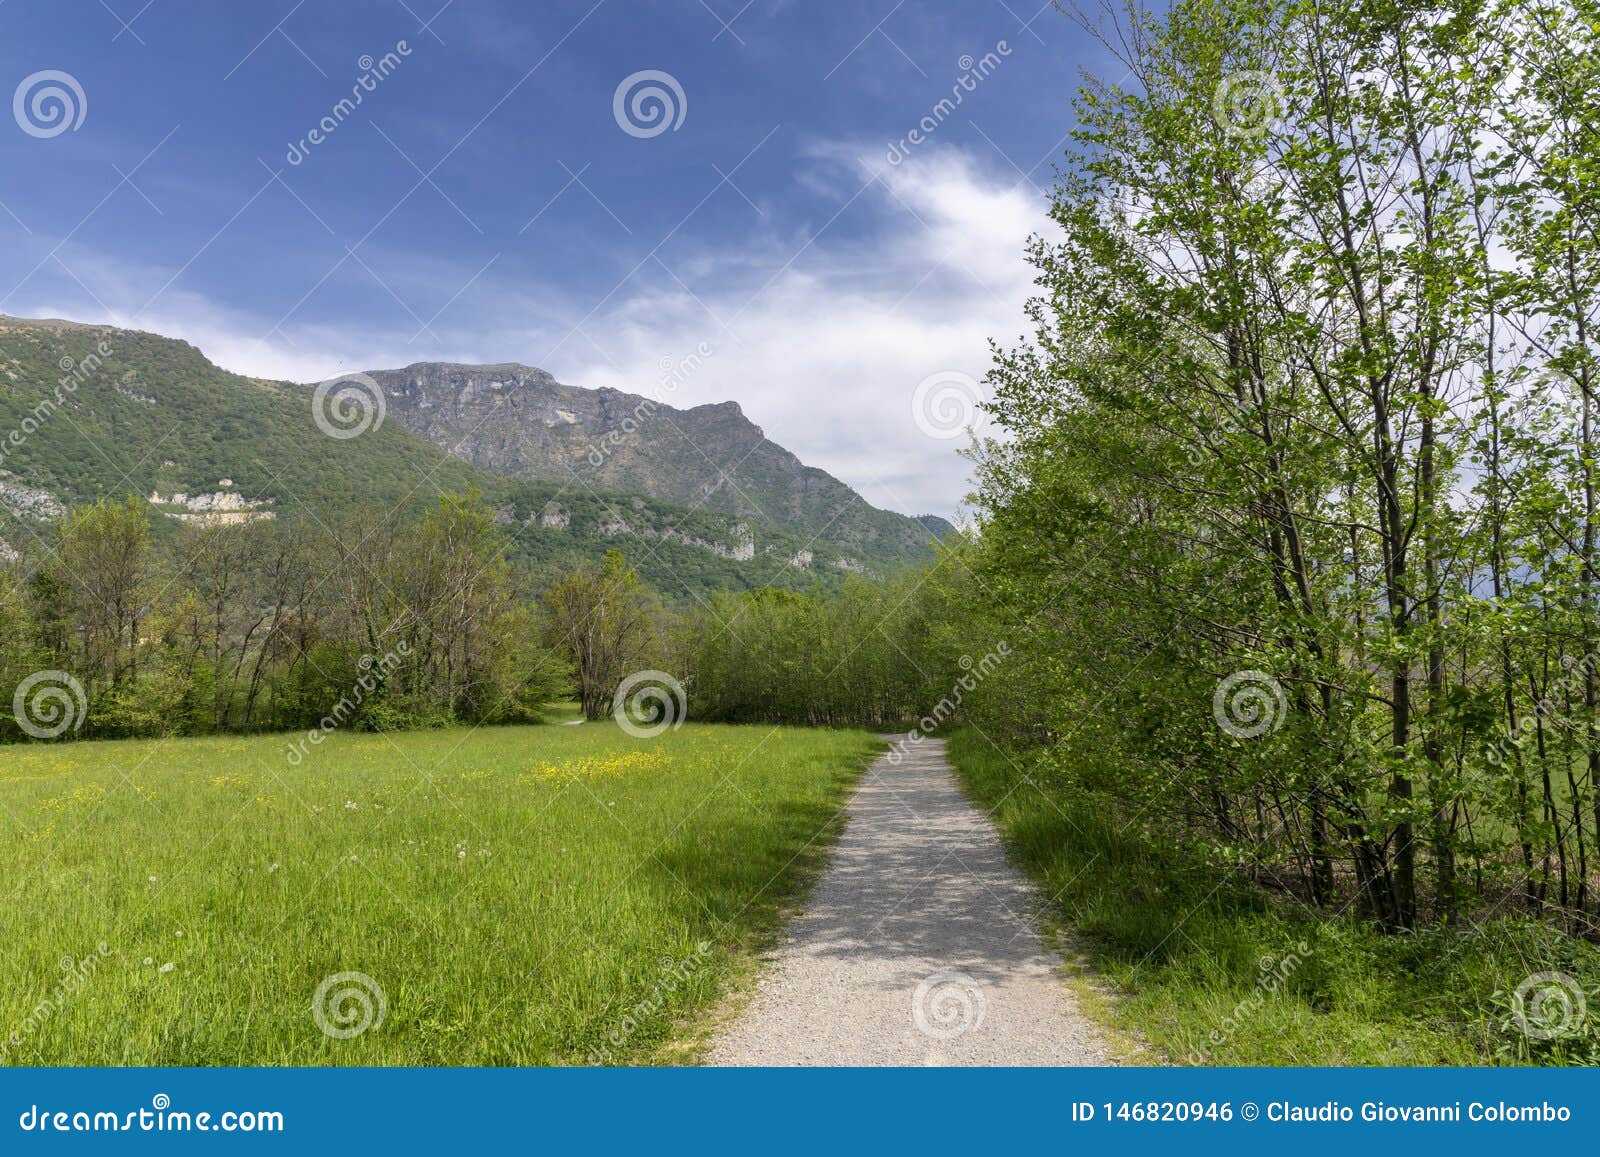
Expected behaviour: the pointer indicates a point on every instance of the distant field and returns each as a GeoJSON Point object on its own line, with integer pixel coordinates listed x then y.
{"type": "Point", "coordinates": [526, 895]}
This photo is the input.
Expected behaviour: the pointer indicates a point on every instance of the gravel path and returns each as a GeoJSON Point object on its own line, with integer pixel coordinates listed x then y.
{"type": "Point", "coordinates": [917, 947]}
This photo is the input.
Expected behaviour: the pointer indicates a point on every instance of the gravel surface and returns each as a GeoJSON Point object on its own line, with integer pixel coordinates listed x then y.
{"type": "Point", "coordinates": [917, 947]}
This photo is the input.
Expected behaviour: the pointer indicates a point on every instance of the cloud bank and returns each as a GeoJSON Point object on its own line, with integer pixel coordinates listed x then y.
{"type": "Point", "coordinates": [822, 331]}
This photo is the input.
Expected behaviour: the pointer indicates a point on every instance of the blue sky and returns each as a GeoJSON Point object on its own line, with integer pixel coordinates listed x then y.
{"type": "Point", "coordinates": [484, 203]}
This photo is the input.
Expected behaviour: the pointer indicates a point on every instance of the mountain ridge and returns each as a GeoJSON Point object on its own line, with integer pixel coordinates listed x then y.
{"type": "Point", "coordinates": [156, 418]}
{"type": "Point", "coordinates": [519, 420]}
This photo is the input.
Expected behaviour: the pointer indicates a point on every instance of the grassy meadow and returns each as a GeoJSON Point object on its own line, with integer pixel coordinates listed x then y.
{"type": "Point", "coordinates": [507, 895]}
{"type": "Point", "coordinates": [1209, 969]}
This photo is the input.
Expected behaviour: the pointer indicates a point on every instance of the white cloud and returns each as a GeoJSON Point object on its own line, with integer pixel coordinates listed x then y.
{"type": "Point", "coordinates": [826, 357]}
{"type": "Point", "coordinates": [821, 333]}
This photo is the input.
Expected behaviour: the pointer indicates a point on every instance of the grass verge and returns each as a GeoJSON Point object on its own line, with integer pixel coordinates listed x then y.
{"type": "Point", "coordinates": [517, 895]}
{"type": "Point", "coordinates": [1209, 970]}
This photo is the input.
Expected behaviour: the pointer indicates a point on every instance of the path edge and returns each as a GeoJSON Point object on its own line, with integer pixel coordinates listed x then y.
{"type": "Point", "coordinates": [694, 1035]}
{"type": "Point", "coordinates": [1095, 997]}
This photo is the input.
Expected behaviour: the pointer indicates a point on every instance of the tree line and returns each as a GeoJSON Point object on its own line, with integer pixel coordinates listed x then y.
{"type": "Point", "coordinates": [272, 625]}
{"type": "Point", "coordinates": [1289, 528]}
{"type": "Point", "coordinates": [1293, 522]}
{"type": "Point", "coordinates": [133, 627]}
{"type": "Point", "coordinates": [1285, 555]}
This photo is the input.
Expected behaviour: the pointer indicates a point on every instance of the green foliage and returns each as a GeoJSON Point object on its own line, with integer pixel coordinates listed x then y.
{"type": "Point", "coordinates": [1212, 971]}
{"type": "Point", "coordinates": [1299, 532]}
{"type": "Point", "coordinates": [864, 655]}
{"type": "Point", "coordinates": [1292, 539]}
{"type": "Point", "coordinates": [601, 618]}
{"type": "Point", "coordinates": [101, 412]}
{"type": "Point", "coordinates": [140, 401]}
{"type": "Point", "coordinates": [284, 624]}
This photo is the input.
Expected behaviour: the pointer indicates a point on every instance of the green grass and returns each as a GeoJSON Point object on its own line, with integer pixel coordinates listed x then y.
{"type": "Point", "coordinates": [563, 711]}
{"type": "Point", "coordinates": [522, 895]}
{"type": "Point", "coordinates": [1209, 970]}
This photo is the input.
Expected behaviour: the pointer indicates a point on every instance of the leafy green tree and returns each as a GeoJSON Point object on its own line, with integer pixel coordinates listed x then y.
{"type": "Point", "coordinates": [600, 617]}
{"type": "Point", "coordinates": [90, 598]}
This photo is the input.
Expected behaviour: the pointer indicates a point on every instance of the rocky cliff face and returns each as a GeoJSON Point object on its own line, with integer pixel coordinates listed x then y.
{"type": "Point", "coordinates": [710, 500]}
{"type": "Point", "coordinates": [517, 420]}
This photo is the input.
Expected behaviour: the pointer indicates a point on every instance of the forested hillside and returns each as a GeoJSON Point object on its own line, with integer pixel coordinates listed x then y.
{"type": "Point", "coordinates": [94, 412]}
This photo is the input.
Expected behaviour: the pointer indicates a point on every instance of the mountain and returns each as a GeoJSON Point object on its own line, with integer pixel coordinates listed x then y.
{"type": "Point", "coordinates": [520, 421]}
{"type": "Point", "coordinates": [89, 411]}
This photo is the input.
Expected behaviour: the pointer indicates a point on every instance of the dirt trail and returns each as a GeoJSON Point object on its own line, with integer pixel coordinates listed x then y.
{"type": "Point", "coordinates": [917, 947]}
